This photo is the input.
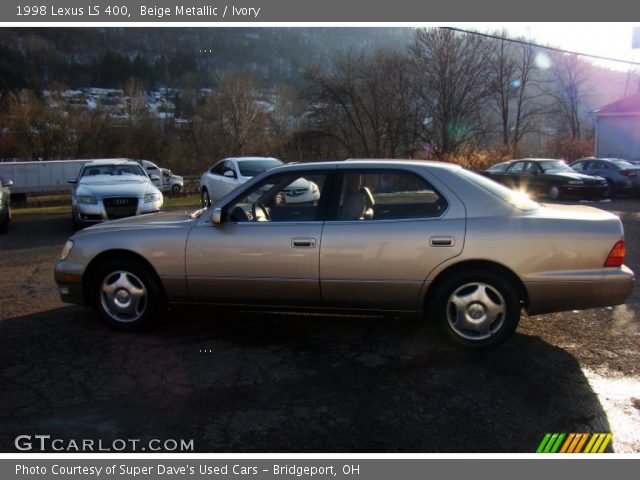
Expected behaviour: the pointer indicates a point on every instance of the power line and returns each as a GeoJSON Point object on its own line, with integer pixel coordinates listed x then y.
{"type": "Point", "coordinates": [537, 45]}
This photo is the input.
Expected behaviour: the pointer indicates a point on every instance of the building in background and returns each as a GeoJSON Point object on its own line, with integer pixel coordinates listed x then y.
{"type": "Point", "coordinates": [618, 129]}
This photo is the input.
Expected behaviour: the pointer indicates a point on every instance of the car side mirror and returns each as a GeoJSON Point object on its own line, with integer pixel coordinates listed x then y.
{"type": "Point", "coordinates": [216, 216]}
{"type": "Point", "coordinates": [229, 174]}
{"type": "Point", "coordinates": [154, 178]}
{"type": "Point", "coordinates": [72, 180]}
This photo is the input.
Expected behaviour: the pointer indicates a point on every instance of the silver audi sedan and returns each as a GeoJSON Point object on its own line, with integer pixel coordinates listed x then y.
{"type": "Point", "coordinates": [111, 189]}
{"type": "Point", "coordinates": [394, 236]}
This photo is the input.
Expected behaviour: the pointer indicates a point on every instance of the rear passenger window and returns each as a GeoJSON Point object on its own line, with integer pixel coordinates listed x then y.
{"type": "Point", "coordinates": [387, 195]}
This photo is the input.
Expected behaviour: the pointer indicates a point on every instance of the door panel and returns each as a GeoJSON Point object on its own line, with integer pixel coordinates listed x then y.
{"type": "Point", "coordinates": [254, 263]}
{"type": "Point", "coordinates": [383, 264]}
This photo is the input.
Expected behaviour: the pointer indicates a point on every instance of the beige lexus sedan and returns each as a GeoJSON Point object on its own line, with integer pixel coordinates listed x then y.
{"type": "Point", "coordinates": [395, 236]}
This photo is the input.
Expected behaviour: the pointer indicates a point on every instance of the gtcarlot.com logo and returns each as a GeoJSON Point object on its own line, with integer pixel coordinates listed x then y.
{"type": "Point", "coordinates": [574, 443]}
{"type": "Point", "coordinates": [44, 443]}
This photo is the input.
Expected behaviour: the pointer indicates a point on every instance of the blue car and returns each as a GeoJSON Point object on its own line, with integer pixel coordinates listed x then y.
{"type": "Point", "coordinates": [622, 176]}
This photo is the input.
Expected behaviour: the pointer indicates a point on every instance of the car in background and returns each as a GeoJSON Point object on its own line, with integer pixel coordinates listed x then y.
{"type": "Point", "coordinates": [621, 176]}
{"type": "Point", "coordinates": [550, 177]}
{"type": "Point", "coordinates": [229, 173]}
{"type": "Point", "coordinates": [394, 236]}
{"type": "Point", "coordinates": [5, 204]}
{"type": "Point", "coordinates": [167, 182]}
{"type": "Point", "coordinates": [112, 189]}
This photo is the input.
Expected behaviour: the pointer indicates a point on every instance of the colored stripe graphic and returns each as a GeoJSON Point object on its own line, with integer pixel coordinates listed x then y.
{"type": "Point", "coordinates": [574, 443]}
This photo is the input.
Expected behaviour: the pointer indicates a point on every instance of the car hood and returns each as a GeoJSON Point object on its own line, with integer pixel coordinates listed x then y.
{"type": "Point", "coordinates": [152, 220]}
{"type": "Point", "coordinates": [106, 185]}
{"type": "Point", "coordinates": [298, 184]}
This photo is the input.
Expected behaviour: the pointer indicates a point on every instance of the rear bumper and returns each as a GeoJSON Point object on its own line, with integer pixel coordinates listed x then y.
{"type": "Point", "coordinates": [611, 286]}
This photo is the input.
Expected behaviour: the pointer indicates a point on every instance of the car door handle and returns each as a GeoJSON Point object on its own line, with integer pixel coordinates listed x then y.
{"type": "Point", "coordinates": [303, 242]}
{"type": "Point", "coordinates": [442, 241]}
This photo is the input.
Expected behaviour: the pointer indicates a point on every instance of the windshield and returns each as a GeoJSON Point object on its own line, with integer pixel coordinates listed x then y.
{"type": "Point", "coordinates": [251, 168]}
{"type": "Point", "coordinates": [519, 200]}
{"type": "Point", "coordinates": [555, 165]}
{"type": "Point", "coordinates": [124, 169]}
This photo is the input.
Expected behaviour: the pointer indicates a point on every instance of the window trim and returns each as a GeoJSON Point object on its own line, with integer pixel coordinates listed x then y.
{"type": "Point", "coordinates": [334, 204]}
{"type": "Point", "coordinates": [326, 194]}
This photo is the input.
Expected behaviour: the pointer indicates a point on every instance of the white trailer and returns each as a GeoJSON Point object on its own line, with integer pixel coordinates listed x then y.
{"type": "Point", "coordinates": [49, 176]}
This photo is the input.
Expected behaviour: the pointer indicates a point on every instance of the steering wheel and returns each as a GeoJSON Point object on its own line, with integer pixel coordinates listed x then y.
{"type": "Point", "coordinates": [265, 212]}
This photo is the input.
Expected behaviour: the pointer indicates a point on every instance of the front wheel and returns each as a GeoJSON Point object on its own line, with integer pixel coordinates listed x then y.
{"type": "Point", "coordinates": [554, 192]}
{"type": "Point", "coordinates": [205, 198]}
{"type": "Point", "coordinates": [476, 310]}
{"type": "Point", "coordinates": [176, 189]}
{"type": "Point", "coordinates": [126, 295]}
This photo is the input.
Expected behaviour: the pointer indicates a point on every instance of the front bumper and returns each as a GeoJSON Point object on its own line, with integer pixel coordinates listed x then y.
{"type": "Point", "coordinates": [68, 277]}
{"type": "Point", "coordinates": [96, 213]}
{"type": "Point", "coordinates": [603, 288]}
{"type": "Point", "coordinates": [584, 191]}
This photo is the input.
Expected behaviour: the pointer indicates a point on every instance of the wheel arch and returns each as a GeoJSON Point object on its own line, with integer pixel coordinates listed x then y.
{"type": "Point", "coordinates": [115, 254]}
{"type": "Point", "coordinates": [477, 265]}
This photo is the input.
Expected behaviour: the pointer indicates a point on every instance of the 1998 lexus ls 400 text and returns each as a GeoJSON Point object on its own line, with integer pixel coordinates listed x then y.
{"type": "Point", "coordinates": [382, 235]}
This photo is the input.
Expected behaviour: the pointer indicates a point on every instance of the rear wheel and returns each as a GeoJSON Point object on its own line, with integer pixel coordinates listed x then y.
{"type": "Point", "coordinates": [126, 295]}
{"type": "Point", "coordinates": [476, 310]}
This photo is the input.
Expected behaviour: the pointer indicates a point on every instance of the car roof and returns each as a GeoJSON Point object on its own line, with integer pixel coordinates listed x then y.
{"type": "Point", "coordinates": [537, 160]}
{"type": "Point", "coordinates": [244, 159]}
{"type": "Point", "coordinates": [111, 161]}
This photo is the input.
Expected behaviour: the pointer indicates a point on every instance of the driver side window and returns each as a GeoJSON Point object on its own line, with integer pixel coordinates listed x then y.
{"type": "Point", "coordinates": [281, 198]}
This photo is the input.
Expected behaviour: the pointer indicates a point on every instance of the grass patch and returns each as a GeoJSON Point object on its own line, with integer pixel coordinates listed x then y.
{"type": "Point", "coordinates": [169, 203]}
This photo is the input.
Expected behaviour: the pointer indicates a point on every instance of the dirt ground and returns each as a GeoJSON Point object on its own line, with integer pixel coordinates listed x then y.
{"type": "Point", "coordinates": [280, 382]}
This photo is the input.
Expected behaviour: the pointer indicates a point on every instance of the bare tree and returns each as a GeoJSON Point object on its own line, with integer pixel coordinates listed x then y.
{"type": "Point", "coordinates": [238, 107]}
{"type": "Point", "coordinates": [516, 93]}
{"type": "Point", "coordinates": [366, 104]}
{"type": "Point", "coordinates": [453, 73]}
{"type": "Point", "coordinates": [570, 91]}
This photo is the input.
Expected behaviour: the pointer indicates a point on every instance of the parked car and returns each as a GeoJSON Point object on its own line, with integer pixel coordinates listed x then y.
{"type": "Point", "coordinates": [621, 176]}
{"type": "Point", "coordinates": [111, 189]}
{"type": "Point", "coordinates": [384, 236]}
{"type": "Point", "coordinates": [554, 178]}
{"type": "Point", "coordinates": [167, 181]}
{"type": "Point", "coordinates": [229, 173]}
{"type": "Point", "coordinates": [5, 204]}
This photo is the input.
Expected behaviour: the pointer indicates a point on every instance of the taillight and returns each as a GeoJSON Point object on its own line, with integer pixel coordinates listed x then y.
{"type": "Point", "coordinates": [616, 256]}
{"type": "Point", "coordinates": [628, 173]}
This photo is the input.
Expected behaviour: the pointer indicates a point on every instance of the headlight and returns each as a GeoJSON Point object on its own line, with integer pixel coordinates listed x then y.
{"type": "Point", "coordinates": [87, 199]}
{"type": "Point", "coordinates": [151, 197]}
{"type": "Point", "coordinates": [66, 250]}
{"type": "Point", "coordinates": [575, 182]}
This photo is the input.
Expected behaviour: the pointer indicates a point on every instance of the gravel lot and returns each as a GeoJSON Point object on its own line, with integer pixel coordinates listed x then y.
{"type": "Point", "coordinates": [278, 382]}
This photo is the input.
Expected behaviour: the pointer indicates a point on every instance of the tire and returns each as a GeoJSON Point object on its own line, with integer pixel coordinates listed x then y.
{"type": "Point", "coordinates": [4, 222]}
{"type": "Point", "coordinates": [126, 295]}
{"type": "Point", "coordinates": [205, 199]}
{"type": "Point", "coordinates": [462, 308]}
{"type": "Point", "coordinates": [610, 189]}
{"type": "Point", "coordinates": [176, 189]}
{"type": "Point", "coordinates": [554, 192]}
